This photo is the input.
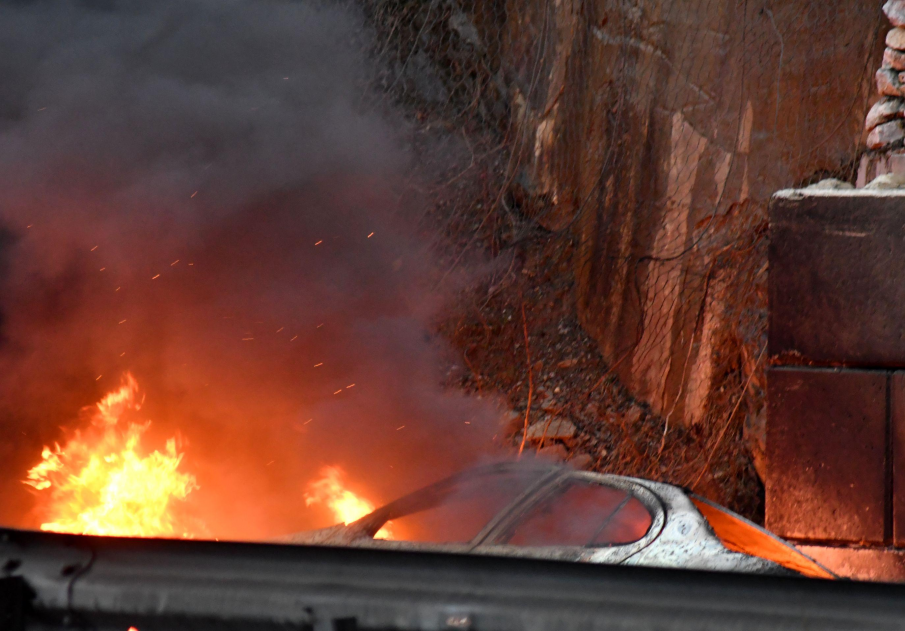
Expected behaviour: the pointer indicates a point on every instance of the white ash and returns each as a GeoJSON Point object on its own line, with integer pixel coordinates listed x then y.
{"type": "Point", "coordinates": [890, 181]}
{"type": "Point", "coordinates": [830, 184]}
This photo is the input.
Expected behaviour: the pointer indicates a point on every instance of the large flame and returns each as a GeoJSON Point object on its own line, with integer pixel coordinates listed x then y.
{"type": "Point", "coordinates": [345, 505]}
{"type": "Point", "coordinates": [99, 482]}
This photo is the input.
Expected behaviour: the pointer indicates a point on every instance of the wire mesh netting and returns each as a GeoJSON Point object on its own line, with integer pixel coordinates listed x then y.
{"type": "Point", "coordinates": [652, 133]}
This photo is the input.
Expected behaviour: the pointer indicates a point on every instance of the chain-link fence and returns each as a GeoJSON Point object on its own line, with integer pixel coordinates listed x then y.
{"type": "Point", "coordinates": [653, 134]}
{"type": "Point", "coordinates": [607, 163]}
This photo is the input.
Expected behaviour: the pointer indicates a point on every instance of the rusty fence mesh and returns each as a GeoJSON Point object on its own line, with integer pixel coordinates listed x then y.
{"type": "Point", "coordinates": [592, 178]}
{"type": "Point", "coordinates": [650, 133]}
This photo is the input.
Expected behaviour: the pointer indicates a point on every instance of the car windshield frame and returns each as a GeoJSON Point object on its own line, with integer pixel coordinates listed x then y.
{"type": "Point", "coordinates": [550, 480]}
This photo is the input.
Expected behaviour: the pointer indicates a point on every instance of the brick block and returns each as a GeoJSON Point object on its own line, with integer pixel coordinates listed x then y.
{"type": "Point", "coordinates": [826, 454]}
{"type": "Point", "coordinates": [837, 278]}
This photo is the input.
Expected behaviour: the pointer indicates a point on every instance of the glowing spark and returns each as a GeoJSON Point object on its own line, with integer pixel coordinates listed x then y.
{"type": "Point", "coordinates": [117, 289]}
{"type": "Point", "coordinates": [320, 325]}
{"type": "Point", "coordinates": [174, 262]}
{"type": "Point", "coordinates": [280, 329]}
{"type": "Point", "coordinates": [338, 391]}
{"type": "Point", "coordinates": [95, 247]}
{"type": "Point", "coordinates": [400, 427]}
{"type": "Point", "coordinates": [193, 195]}
{"type": "Point", "coordinates": [98, 377]}
{"type": "Point", "coordinates": [102, 269]}
{"type": "Point", "coordinates": [29, 225]}
{"type": "Point", "coordinates": [308, 421]}
{"type": "Point", "coordinates": [247, 339]}
{"type": "Point", "coordinates": [123, 353]}
{"type": "Point", "coordinates": [370, 235]}
{"type": "Point", "coordinates": [351, 385]}
{"type": "Point", "coordinates": [155, 277]}
{"type": "Point", "coordinates": [191, 263]}
{"type": "Point", "coordinates": [319, 242]}
{"type": "Point", "coordinates": [294, 339]}
{"type": "Point", "coordinates": [122, 321]}
{"type": "Point", "coordinates": [320, 364]}
{"type": "Point", "coordinates": [270, 463]}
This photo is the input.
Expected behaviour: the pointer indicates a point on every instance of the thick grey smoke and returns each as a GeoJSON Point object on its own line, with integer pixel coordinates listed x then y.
{"type": "Point", "coordinates": [188, 190]}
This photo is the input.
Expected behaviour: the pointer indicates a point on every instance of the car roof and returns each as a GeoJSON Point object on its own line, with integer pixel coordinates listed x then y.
{"type": "Point", "coordinates": [408, 503]}
{"type": "Point", "coordinates": [546, 477]}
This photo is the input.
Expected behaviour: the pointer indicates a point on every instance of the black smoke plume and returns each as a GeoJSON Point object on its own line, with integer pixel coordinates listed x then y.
{"type": "Point", "coordinates": [202, 192]}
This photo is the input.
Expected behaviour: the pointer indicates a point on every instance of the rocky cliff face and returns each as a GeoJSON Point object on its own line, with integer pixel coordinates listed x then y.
{"type": "Point", "coordinates": [657, 131]}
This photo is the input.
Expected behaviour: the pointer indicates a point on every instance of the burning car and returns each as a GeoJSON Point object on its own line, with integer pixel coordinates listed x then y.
{"type": "Point", "coordinates": [540, 510]}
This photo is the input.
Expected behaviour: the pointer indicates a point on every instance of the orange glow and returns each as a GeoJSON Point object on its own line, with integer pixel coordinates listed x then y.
{"type": "Point", "coordinates": [100, 483]}
{"type": "Point", "coordinates": [345, 505]}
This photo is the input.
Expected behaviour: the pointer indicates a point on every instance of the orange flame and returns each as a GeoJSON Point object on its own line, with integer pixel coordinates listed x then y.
{"type": "Point", "coordinates": [98, 483]}
{"type": "Point", "coordinates": [345, 505]}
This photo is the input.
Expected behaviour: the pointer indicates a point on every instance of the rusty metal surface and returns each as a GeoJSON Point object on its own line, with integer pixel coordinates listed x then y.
{"type": "Point", "coordinates": [837, 277]}
{"type": "Point", "coordinates": [826, 448]}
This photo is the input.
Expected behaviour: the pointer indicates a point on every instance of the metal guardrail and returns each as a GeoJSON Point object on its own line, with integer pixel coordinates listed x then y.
{"type": "Point", "coordinates": [50, 581]}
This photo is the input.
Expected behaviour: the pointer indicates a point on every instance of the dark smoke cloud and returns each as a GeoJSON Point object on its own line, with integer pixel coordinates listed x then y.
{"type": "Point", "coordinates": [234, 137]}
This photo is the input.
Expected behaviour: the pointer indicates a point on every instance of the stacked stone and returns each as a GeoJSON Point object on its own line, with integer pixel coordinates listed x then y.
{"type": "Point", "coordinates": [885, 122]}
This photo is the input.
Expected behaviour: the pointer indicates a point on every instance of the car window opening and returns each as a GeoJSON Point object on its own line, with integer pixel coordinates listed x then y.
{"type": "Point", "coordinates": [583, 514]}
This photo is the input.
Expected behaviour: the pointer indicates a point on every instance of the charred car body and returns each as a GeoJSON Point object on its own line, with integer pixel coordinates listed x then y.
{"type": "Point", "coordinates": [544, 511]}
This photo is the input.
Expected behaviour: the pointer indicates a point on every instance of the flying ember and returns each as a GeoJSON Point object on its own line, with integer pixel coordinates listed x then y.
{"type": "Point", "coordinates": [103, 482]}
{"type": "Point", "coordinates": [345, 505]}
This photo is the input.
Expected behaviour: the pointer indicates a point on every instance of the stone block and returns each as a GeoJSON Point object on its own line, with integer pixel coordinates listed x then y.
{"type": "Point", "coordinates": [895, 39]}
{"type": "Point", "coordinates": [826, 454]}
{"type": "Point", "coordinates": [552, 428]}
{"type": "Point", "coordinates": [837, 278]}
